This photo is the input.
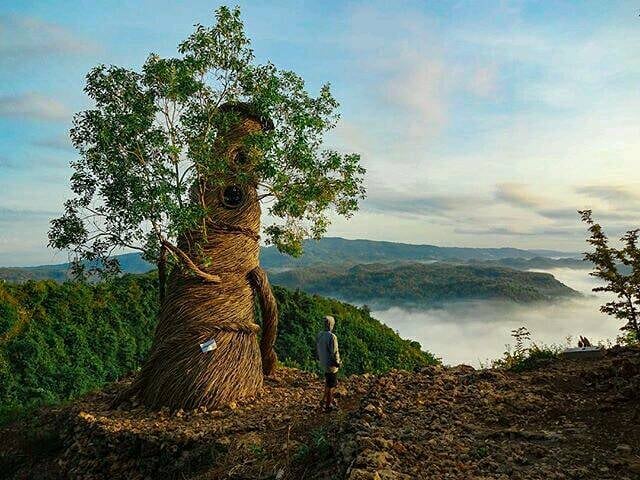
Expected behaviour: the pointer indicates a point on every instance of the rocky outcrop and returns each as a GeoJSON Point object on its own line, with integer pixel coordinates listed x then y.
{"type": "Point", "coordinates": [566, 420]}
{"type": "Point", "coordinates": [569, 420]}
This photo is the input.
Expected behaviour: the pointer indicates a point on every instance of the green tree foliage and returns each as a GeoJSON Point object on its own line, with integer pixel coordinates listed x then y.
{"type": "Point", "coordinates": [526, 355]}
{"type": "Point", "coordinates": [619, 268]}
{"type": "Point", "coordinates": [150, 144]}
{"type": "Point", "coordinates": [58, 341]}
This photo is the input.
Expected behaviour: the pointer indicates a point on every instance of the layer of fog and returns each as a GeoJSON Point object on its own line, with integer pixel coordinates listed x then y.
{"type": "Point", "coordinates": [476, 332]}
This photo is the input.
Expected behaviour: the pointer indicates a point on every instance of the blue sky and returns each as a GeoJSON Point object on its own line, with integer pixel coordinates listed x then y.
{"type": "Point", "coordinates": [480, 123]}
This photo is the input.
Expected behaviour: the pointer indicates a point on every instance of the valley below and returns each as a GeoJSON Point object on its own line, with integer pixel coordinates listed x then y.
{"type": "Point", "coordinates": [476, 332]}
{"type": "Point", "coordinates": [459, 303]}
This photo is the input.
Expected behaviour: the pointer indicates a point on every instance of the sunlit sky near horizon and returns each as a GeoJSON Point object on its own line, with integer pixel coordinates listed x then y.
{"type": "Point", "coordinates": [480, 123]}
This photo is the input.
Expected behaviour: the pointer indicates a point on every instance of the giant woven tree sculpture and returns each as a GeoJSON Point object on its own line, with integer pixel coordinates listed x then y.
{"type": "Point", "coordinates": [175, 162]}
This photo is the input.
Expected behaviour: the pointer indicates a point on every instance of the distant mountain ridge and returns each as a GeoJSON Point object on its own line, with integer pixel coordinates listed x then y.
{"type": "Point", "coordinates": [329, 250]}
{"type": "Point", "coordinates": [337, 250]}
{"type": "Point", "coordinates": [129, 262]}
{"type": "Point", "coordinates": [542, 263]}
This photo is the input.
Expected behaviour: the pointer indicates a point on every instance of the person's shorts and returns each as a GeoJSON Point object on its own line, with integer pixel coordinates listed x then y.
{"type": "Point", "coordinates": [331, 379]}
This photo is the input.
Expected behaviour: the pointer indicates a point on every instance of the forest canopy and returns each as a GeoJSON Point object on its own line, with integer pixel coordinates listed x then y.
{"type": "Point", "coordinates": [58, 341]}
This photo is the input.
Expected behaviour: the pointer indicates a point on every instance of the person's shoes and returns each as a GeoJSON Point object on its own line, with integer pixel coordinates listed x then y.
{"type": "Point", "coordinates": [331, 408]}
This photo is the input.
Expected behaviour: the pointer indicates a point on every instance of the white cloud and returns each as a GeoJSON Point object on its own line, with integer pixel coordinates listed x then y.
{"type": "Point", "coordinates": [12, 213]}
{"type": "Point", "coordinates": [518, 194]}
{"type": "Point", "coordinates": [475, 132]}
{"type": "Point", "coordinates": [34, 106]}
{"type": "Point", "coordinates": [502, 111]}
{"type": "Point", "coordinates": [28, 37]}
{"type": "Point", "coordinates": [482, 328]}
{"type": "Point", "coordinates": [409, 199]}
{"type": "Point", "coordinates": [483, 81]}
{"type": "Point", "coordinates": [420, 89]}
{"type": "Point", "coordinates": [620, 196]}
{"type": "Point", "coordinates": [420, 76]}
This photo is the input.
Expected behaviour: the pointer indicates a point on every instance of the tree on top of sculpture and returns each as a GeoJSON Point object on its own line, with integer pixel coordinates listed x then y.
{"type": "Point", "coordinates": [152, 138]}
{"type": "Point", "coordinates": [175, 161]}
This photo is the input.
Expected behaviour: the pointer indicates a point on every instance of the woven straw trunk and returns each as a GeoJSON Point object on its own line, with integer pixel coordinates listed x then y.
{"type": "Point", "coordinates": [178, 374]}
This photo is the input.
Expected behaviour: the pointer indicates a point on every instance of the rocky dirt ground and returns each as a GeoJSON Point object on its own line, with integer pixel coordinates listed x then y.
{"type": "Point", "coordinates": [567, 419]}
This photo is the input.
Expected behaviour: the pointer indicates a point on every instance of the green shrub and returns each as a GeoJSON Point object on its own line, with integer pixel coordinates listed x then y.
{"type": "Point", "coordinates": [628, 338]}
{"type": "Point", "coordinates": [524, 357]}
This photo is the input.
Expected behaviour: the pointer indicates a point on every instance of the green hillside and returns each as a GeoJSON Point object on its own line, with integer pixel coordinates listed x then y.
{"type": "Point", "coordinates": [60, 340]}
{"type": "Point", "coordinates": [419, 284]}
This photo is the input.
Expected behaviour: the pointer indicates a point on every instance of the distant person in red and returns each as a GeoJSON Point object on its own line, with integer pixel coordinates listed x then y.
{"type": "Point", "coordinates": [329, 359]}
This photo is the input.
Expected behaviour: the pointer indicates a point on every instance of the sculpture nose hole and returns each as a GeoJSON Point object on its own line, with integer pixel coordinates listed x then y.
{"type": "Point", "coordinates": [241, 158]}
{"type": "Point", "coordinates": [232, 196]}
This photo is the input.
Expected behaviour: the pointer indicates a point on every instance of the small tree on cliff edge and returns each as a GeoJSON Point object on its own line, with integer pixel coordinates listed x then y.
{"type": "Point", "coordinates": [608, 262]}
{"type": "Point", "coordinates": [175, 161]}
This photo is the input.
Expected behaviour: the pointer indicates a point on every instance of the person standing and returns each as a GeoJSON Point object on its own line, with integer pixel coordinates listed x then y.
{"type": "Point", "coordinates": [329, 359]}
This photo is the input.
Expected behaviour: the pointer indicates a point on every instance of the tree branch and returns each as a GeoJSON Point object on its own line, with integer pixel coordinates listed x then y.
{"type": "Point", "coordinates": [184, 173]}
{"type": "Point", "coordinates": [182, 256]}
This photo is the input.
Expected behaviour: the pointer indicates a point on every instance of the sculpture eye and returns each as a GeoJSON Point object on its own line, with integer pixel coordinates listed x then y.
{"type": "Point", "coordinates": [232, 196]}
{"type": "Point", "coordinates": [241, 158]}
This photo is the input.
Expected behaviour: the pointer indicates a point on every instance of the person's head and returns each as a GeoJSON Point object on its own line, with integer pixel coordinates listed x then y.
{"type": "Point", "coordinates": [329, 322]}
